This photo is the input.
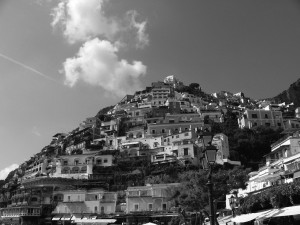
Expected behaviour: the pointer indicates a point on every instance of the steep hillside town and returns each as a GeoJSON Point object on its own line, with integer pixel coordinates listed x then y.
{"type": "Point", "coordinates": [126, 164]}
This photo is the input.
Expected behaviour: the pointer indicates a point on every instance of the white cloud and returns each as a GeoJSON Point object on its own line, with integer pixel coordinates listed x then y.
{"type": "Point", "coordinates": [6, 171]}
{"type": "Point", "coordinates": [35, 131]}
{"type": "Point", "coordinates": [97, 64]}
{"type": "Point", "coordinates": [82, 20]}
{"type": "Point", "coordinates": [142, 38]}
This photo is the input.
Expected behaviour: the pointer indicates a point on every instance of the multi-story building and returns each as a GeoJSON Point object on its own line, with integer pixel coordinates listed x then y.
{"type": "Point", "coordinates": [36, 168]}
{"type": "Point", "coordinates": [175, 123]}
{"type": "Point", "coordinates": [32, 202]}
{"type": "Point", "coordinates": [90, 122]}
{"type": "Point", "coordinates": [84, 202]}
{"type": "Point", "coordinates": [186, 151]}
{"type": "Point", "coordinates": [282, 164]}
{"type": "Point", "coordinates": [109, 127]}
{"type": "Point", "coordinates": [160, 94]}
{"type": "Point", "coordinates": [268, 118]}
{"type": "Point", "coordinates": [169, 139]}
{"type": "Point", "coordinates": [155, 197]}
{"type": "Point", "coordinates": [214, 115]}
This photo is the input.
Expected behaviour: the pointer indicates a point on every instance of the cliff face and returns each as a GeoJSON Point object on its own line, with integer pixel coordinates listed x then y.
{"type": "Point", "coordinates": [292, 94]}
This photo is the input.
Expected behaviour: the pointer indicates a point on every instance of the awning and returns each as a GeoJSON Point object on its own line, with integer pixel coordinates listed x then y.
{"type": "Point", "coordinates": [248, 217]}
{"type": "Point", "coordinates": [96, 221]}
{"type": "Point", "coordinates": [57, 217]}
{"type": "Point", "coordinates": [269, 214]}
{"type": "Point", "coordinates": [296, 174]}
{"type": "Point", "coordinates": [224, 220]}
{"type": "Point", "coordinates": [66, 217]}
{"type": "Point", "coordinates": [289, 211]}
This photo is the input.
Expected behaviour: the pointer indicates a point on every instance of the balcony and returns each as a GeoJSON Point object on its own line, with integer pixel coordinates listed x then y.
{"type": "Point", "coordinates": [108, 200]}
{"type": "Point", "coordinates": [21, 211]}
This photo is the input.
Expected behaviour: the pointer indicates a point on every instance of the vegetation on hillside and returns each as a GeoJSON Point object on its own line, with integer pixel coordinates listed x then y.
{"type": "Point", "coordinates": [290, 95]}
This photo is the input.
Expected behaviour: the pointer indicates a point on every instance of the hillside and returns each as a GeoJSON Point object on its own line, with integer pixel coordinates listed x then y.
{"type": "Point", "coordinates": [292, 94]}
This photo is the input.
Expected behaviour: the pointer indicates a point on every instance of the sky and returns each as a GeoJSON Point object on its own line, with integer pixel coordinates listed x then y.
{"type": "Point", "coordinates": [61, 61]}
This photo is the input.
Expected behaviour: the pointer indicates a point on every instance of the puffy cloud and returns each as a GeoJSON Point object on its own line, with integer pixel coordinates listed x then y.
{"type": "Point", "coordinates": [82, 20]}
{"type": "Point", "coordinates": [97, 63]}
{"type": "Point", "coordinates": [7, 170]}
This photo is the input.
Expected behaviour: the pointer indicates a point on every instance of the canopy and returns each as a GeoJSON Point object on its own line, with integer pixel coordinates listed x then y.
{"type": "Point", "coordinates": [66, 217]}
{"type": "Point", "coordinates": [248, 217]}
{"type": "Point", "coordinates": [57, 217]}
{"type": "Point", "coordinates": [94, 221]}
{"type": "Point", "coordinates": [287, 211]}
{"type": "Point", "coordinates": [224, 220]}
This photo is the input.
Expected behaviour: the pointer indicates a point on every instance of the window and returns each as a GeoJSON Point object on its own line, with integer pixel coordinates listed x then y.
{"type": "Point", "coordinates": [177, 136]}
{"type": "Point", "coordinates": [254, 124]}
{"type": "Point", "coordinates": [65, 162]}
{"type": "Point", "coordinates": [186, 134]}
{"type": "Point", "coordinates": [105, 160]}
{"type": "Point", "coordinates": [279, 124]}
{"type": "Point", "coordinates": [164, 206]}
{"type": "Point", "coordinates": [69, 198]}
{"type": "Point", "coordinates": [99, 161]}
{"type": "Point", "coordinates": [150, 206]}
{"type": "Point", "coordinates": [163, 131]}
{"type": "Point", "coordinates": [268, 124]}
{"type": "Point", "coordinates": [76, 162]}
{"type": "Point", "coordinates": [153, 131]}
{"type": "Point", "coordinates": [266, 116]}
{"type": "Point", "coordinates": [254, 115]}
{"type": "Point", "coordinates": [96, 197]}
{"type": "Point", "coordinates": [171, 121]}
{"type": "Point", "coordinates": [136, 207]}
{"type": "Point", "coordinates": [96, 209]}
{"type": "Point", "coordinates": [137, 113]}
{"type": "Point", "coordinates": [102, 210]}
{"type": "Point", "coordinates": [110, 142]}
{"type": "Point", "coordinates": [185, 151]}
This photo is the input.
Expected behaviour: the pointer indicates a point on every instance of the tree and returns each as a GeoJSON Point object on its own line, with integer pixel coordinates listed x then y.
{"type": "Point", "coordinates": [193, 192]}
